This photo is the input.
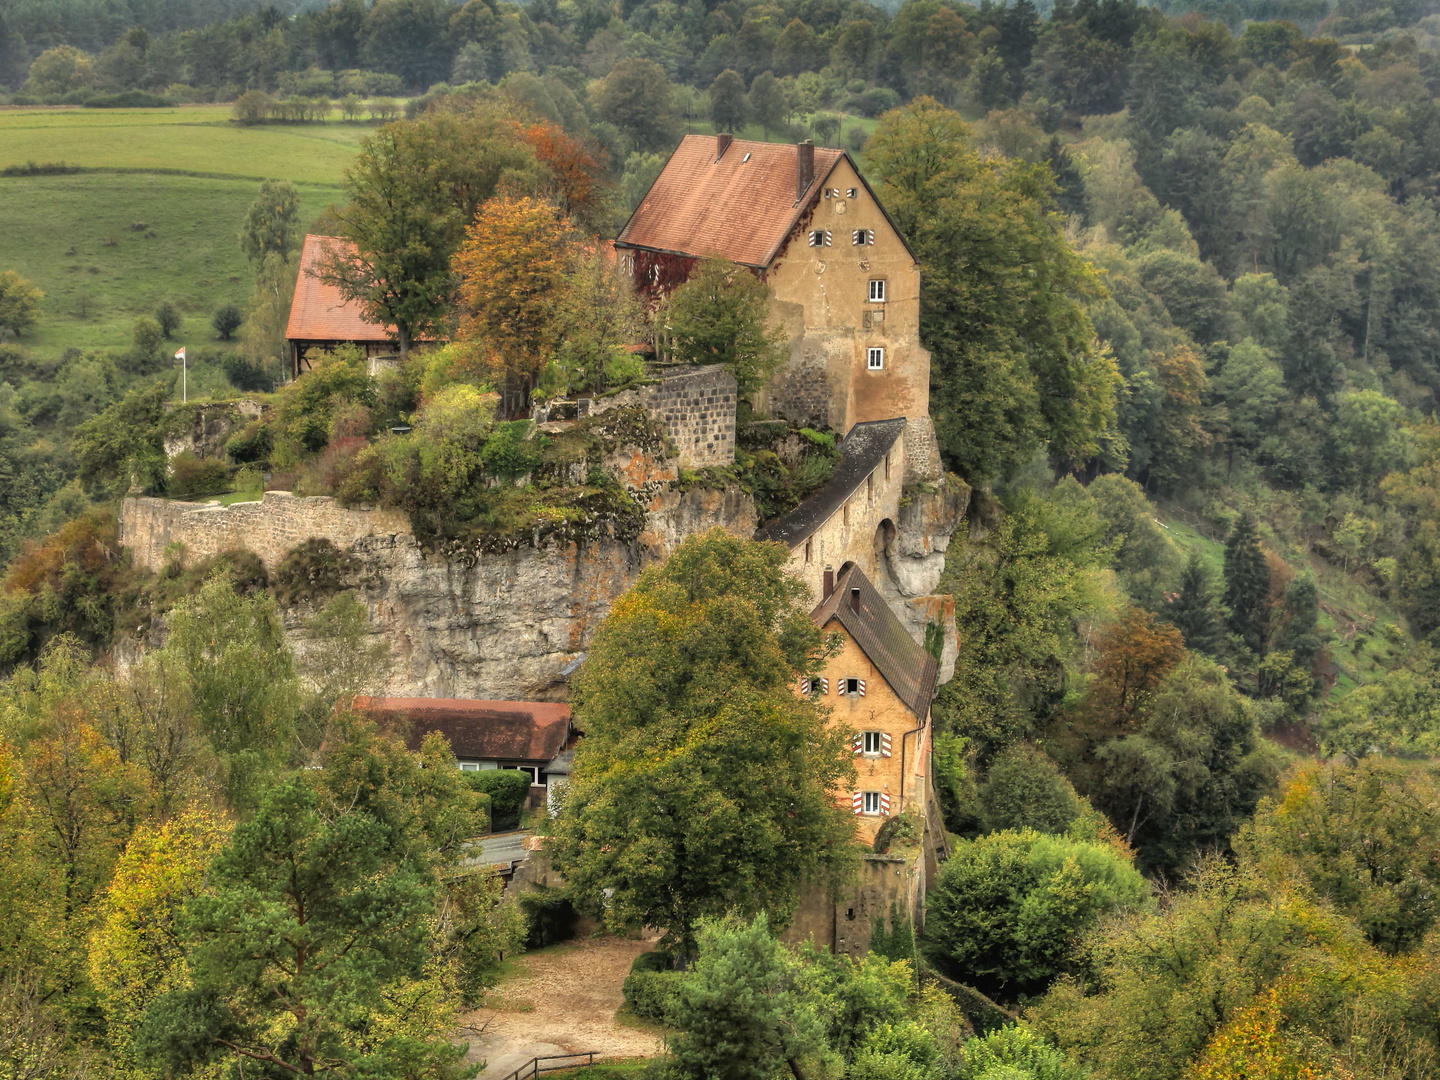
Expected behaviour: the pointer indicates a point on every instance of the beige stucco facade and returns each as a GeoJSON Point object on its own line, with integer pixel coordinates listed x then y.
{"type": "Point", "coordinates": [822, 300]}
{"type": "Point", "coordinates": [896, 773]}
{"type": "Point", "coordinates": [859, 532]}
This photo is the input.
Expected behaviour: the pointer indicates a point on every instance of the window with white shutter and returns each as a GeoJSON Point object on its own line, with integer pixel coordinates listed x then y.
{"type": "Point", "coordinates": [861, 237]}
{"type": "Point", "coordinates": [871, 801]}
{"type": "Point", "coordinates": [820, 238]}
{"type": "Point", "coordinates": [872, 741]}
{"type": "Point", "coordinates": [851, 686]}
{"type": "Point", "coordinates": [885, 744]}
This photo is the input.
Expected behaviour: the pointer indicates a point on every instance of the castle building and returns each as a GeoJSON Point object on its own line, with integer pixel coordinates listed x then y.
{"type": "Point", "coordinates": [879, 685]}
{"type": "Point", "coordinates": [845, 285]}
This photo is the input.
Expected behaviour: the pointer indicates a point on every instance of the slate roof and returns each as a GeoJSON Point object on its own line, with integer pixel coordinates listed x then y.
{"type": "Point", "coordinates": [319, 312]}
{"type": "Point", "coordinates": [737, 209]}
{"type": "Point", "coordinates": [867, 618]}
{"type": "Point", "coordinates": [860, 452]}
{"type": "Point", "coordinates": [532, 732]}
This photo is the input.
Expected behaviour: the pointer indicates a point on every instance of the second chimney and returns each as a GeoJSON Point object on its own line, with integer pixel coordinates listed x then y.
{"type": "Point", "coordinates": [804, 167]}
{"type": "Point", "coordinates": [722, 143]}
{"type": "Point", "coordinates": [855, 600]}
{"type": "Point", "coordinates": [829, 583]}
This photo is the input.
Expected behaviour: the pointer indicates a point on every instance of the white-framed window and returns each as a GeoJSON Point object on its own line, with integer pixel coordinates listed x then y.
{"type": "Point", "coordinates": [851, 193]}
{"type": "Point", "coordinates": [871, 742]}
{"type": "Point", "coordinates": [469, 766]}
{"type": "Point", "coordinates": [870, 802]}
{"type": "Point", "coordinates": [533, 771]}
{"type": "Point", "coordinates": [860, 237]}
{"type": "Point", "coordinates": [877, 290]}
{"type": "Point", "coordinates": [875, 359]}
{"type": "Point", "coordinates": [820, 238]}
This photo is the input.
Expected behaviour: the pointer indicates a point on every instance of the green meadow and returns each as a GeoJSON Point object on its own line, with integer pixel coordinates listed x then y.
{"type": "Point", "coordinates": [154, 217]}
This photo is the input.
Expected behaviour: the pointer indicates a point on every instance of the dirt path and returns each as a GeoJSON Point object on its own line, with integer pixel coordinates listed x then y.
{"type": "Point", "coordinates": [559, 1000]}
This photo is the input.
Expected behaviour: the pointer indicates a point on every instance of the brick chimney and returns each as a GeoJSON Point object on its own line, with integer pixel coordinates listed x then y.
{"type": "Point", "coordinates": [804, 167]}
{"type": "Point", "coordinates": [722, 143]}
{"type": "Point", "coordinates": [829, 583]}
{"type": "Point", "coordinates": [855, 600]}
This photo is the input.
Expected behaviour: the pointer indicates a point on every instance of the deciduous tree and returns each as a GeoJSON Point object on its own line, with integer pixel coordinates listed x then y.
{"type": "Point", "coordinates": [272, 224]}
{"type": "Point", "coordinates": [705, 784]}
{"type": "Point", "coordinates": [19, 303]}
{"type": "Point", "coordinates": [721, 316]}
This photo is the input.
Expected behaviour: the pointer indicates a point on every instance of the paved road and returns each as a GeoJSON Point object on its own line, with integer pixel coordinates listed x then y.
{"type": "Point", "coordinates": [499, 848]}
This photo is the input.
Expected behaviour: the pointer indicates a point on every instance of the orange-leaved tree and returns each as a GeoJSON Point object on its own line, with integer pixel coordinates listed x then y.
{"type": "Point", "coordinates": [576, 169]}
{"type": "Point", "coordinates": [512, 270]}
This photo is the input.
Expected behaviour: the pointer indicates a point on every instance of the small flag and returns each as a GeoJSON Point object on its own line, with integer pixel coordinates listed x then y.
{"type": "Point", "coordinates": [180, 353]}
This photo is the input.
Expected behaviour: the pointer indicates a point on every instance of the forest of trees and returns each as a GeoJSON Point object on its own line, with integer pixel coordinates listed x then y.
{"type": "Point", "coordinates": [1181, 289]}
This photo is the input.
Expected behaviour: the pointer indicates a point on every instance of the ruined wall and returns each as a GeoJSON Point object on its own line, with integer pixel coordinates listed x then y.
{"type": "Point", "coordinates": [695, 405]}
{"type": "Point", "coordinates": [269, 528]}
{"type": "Point", "coordinates": [203, 428]}
{"type": "Point", "coordinates": [887, 886]}
{"type": "Point", "coordinates": [502, 628]}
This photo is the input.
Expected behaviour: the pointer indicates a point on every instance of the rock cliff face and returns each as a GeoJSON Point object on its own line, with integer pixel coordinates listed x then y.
{"type": "Point", "coordinates": [502, 627]}
{"type": "Point", "coordinates": [508, 625]}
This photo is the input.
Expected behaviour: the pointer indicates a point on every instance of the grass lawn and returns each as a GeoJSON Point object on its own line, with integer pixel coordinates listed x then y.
{"type": "Point", "coordinates": [75, 236]}
{"type": "Point", "coordinates": [199, 139]}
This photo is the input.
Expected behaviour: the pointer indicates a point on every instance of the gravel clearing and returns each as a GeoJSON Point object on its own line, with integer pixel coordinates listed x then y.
{"type": "Point", "coordinates": [559, 1000]}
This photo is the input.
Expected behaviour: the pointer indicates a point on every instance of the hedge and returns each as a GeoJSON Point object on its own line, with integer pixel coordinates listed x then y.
{"type": "Point", "coordinates": [650, 994]}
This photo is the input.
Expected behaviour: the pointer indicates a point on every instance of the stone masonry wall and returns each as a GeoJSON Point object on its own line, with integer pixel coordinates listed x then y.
{"type": "Point", "coordinates": [269, 528]}
{"type": "Point", "coordinates": [697, 407]}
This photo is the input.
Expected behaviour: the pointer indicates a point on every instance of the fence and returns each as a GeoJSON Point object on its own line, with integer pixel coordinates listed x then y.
{"type": "Point", "coordinates": [534, 1066]}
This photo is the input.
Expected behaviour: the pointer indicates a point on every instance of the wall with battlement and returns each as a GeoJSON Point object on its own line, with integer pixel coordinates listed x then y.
{"type": "Point", "coordinates": [270, 528]}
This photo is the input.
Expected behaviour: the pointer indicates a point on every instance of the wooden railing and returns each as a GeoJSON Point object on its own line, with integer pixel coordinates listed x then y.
{"type": "Point", "coordinates": [534, 1067]}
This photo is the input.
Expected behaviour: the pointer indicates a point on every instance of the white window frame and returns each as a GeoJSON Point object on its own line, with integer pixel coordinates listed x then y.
{"type": "Point", "coordinates": [870, 803]}
{"type": "Point", "coordinates": [469, 766]}
{"type": "Point", "coordinates": [877, 290]}
{"type": "Point", "coordinates": [875, 358]}
{"type": "Point", "coordinates": [873, 743]}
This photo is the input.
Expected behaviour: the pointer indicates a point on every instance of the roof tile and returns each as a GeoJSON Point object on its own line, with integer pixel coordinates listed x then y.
{"type": "Point", "coordinates": [740, 208]}
{"type": "Point", "coordinates": [519, 731]}
{"type": "Point", "coordinates": [319, 312]}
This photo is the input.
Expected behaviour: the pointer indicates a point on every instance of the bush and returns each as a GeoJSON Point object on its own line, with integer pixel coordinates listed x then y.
{"type": "Point", "coordinates": [651, 994]}
{"type": "Point", "coordinates": [168, 318]}
{"type": "Point", "coordinates": [250, 444]}
{"type": "Point", "coordinates": [654, 960]}
{"type": "Point", "coordinates": [508, 453]}
{"type": "Point", "coordinates": [551, 918]}
{"type": "Point", "coordinates": [246, 374]}
{"type": "Point", "coordinates": [508, 789]}
{"type": "Point", "coordinates": [191, 476]}
{"type": "Point", "coordinates": [1010, 906]}
{"type": "Point", "coordinates": [312, 571]}
{"type": "Point", "coordinates": [226, 321]}
{"type": "Point", "coordinates": [253, 107]}
{"type": "Point", "coordinates": [1024, 789]}
{"type": "Point", "coordinates": [127, 99]}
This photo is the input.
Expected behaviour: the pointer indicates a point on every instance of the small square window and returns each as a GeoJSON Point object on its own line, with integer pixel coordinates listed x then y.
{"type": "Point", "coordinates": [820, 238]}
{"type": "Point", "coordinates": [861, 237]}
{"type": "Point", "coordinates": [469, 766]}
{"type": "Point", "coordinates": [875, 359]}
{"type": "Point", "coordinates": [870, 802]}
{"type": "Point", "coordinates": [851, 686]}
{"type": "Point", "coordinates": [851, 193]}
{"type": "Point", "coordinates": [871, 744]}
{"type": "Point", "coordinates": [877, 290]}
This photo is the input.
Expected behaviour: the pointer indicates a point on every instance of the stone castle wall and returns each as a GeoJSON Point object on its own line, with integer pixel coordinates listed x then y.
{"type": "Point", "coordinates": [887, 887]}
{"type": "Point", "coordinates": [270, 527]}
{"type": "Point", "coordinates": [695, 405]}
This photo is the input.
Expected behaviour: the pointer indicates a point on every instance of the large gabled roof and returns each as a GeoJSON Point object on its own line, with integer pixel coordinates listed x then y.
{"type": "Point", "coordinates": [319, 312]}
{"type": "Point", "coordinates": [525, 731]}
{"type": "Point", "coordinates": [740, 206]}
{"type": "Point", "coordinates": [867, 618]}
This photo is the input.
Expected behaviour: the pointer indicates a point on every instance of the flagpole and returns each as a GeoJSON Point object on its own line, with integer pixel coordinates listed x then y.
{"type": "Point", "coordinates": [184, 378]}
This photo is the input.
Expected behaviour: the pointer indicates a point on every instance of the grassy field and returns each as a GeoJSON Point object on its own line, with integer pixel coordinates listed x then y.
{"type": "Point", "coordinates": [158, 218]}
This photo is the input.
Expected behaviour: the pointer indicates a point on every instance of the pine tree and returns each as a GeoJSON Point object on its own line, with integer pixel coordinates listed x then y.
{"type": "Point", "coordinates": [1247, 584]}
{"type": "Point", "coordinates": [1193, 612]}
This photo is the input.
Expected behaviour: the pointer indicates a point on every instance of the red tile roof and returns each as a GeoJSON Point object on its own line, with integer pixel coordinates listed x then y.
{"type": "Point", "coordinates": [516, 731]}
{"type": "Point", "coordinates": [319, 312]}
{"type": "Point", "coordinates": [738, 209]}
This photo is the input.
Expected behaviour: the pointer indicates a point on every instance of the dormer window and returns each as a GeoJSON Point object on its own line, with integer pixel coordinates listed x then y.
{"type": "Point", "coordinates": [744, 159]}
{"type": "Point", "coordinates": [861, 237]}
{"type": "Point", "coordinates": [820, 238]}
{"type": "Point", "coordinates": [877, 290]}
